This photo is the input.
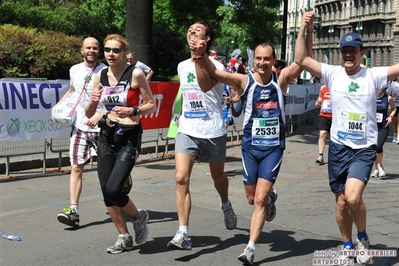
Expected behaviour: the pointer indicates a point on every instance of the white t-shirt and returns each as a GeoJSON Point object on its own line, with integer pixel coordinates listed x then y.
{"type": "Point", "coordinates": [146, 69]}
{"type": "Point", "coordinates": [353, 101]}
{"type": "Point", "coordinates": [202, 113]}
{"type": "Point", "coordinates": [78, 75]}
{"type": "Point", "coordinates": [393, 88]}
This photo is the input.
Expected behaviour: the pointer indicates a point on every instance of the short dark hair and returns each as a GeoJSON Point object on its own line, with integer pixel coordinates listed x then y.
{"type": "Point", "coordinates": [266, 44]}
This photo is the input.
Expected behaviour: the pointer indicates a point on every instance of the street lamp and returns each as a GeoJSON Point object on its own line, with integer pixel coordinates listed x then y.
{"type": "Point", "coordinates": [330, 32]}
{"type": "Point", "coordinates": [359, 27]}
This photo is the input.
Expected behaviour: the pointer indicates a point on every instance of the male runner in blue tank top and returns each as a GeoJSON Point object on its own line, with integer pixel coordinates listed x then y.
{"type": "Point", "coordinates": [262, 94]}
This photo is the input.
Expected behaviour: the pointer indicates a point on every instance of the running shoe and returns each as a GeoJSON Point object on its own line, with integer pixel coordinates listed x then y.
{"type": "Point", "coordinates": [140, 228]}
{"type": "Point", "coordinates": [68, 217]}
{"type": "Point", "coordinates": [230, 218]}
{"type": "Point", "coordinates": [362, 246]}
{"type": "Point", "coordinates": [121, 245]}
{"type": "Point", "coordinates": [248, 256]}
{"type": "Point", "coordinates": [320, 159]}
{"type": "Point", "coordinates": [271, 208]}
{"type": "Point", "coordinates": [345, 256]}
{"type": "Point", "coordinates": [395, 139]}
{"type": "Point", "coordinates": [180, 241]}
{"type": "Point", "coordinates": [381, 171]}
{"type": "Point", "coordinates": [375, 173]}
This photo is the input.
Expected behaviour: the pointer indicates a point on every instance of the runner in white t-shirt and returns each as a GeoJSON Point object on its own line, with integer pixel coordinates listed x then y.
{"type": "Point", "coordinates": [84, 135]}
{"type": "Point", "coordinates": [201, 131]}
{"type": "Point", "coordinates": [354, 132]}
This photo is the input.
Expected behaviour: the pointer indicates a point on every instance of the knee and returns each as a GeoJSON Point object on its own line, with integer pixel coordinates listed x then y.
{"type": "Point", "coordinates": [353, 201]}
{"type": "Point", "coordinates": [341, 205]}
{"type": "Point", "coordinates": [260, 201]}
{"type": "Point", "coordinates": [250, 199]}
{"type": "Point", "coordinates": [220, 179]}
{"type": "Point", "coordinates": [182, 180]}
{"type": "Point", "coordinates": [77, 169]}
{"type": "Point", "coordinates": [115, 197]}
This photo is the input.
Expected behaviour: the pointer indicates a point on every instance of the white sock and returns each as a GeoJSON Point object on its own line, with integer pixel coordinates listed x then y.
{"type": "Point", "coordinates": [184, 229]}
{"type": "Point", "coordinates": [75, 208]}
{"type": "Point", "coordinates": [251, 245]}
{"type": "Point", "coordinates": [125, 235]}
{"type": "Point", "coordinates": [226, 206]}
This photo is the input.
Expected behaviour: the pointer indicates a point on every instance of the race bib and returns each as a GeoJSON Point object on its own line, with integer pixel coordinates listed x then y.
{"type": "Point", "coordinates": [326, 106]}
{"type": "Point", "coordinates": [351, 125]}
{"type": "Point", "coordinates": [379, 117]}
{"type": "Point", "coordinates": [266, 131]}
{"type": "Point", "coordinates": [194, 104]}
{"type": "Point", "coordinates": [113, 96]}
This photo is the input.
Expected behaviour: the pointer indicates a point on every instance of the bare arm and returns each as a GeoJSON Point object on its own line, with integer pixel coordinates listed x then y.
{"type": "Point", "coordinates": [237, 80]}
{"type": "Point", "coordinates": [149, 75]}
{"type": "Point", "coordinates": [146, 93]}
{"type": "Point", "coordinates": [209, 74]}
{"type": "Point", "coordinates": [91, 107]}
{"type": "Point", "coordinates": [393, 110]}
{"type": "Point", "coordinates": [319, 99]}
{"type": "Point", "coordinates": [393, 72]}
{"type": "Point", "coordinates": [301, 48]}
{"type": "Point", "coordinates": [205, 82]}
{"type": "Point", "coordinates": [294, 70]}
{"type": "Point", "coordinates": [139, 81]}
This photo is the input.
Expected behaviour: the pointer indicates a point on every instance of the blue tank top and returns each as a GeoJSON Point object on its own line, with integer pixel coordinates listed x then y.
{"type": "Point", "coordinates": [264, 116]}
{"type": "Point", "coordinates": [382, 107]}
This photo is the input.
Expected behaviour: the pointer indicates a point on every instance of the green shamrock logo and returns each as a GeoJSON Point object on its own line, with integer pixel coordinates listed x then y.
{"type": "Point", "coordinates": [190, 77]}
{"type": "Point", "coordinates": [353, 87]}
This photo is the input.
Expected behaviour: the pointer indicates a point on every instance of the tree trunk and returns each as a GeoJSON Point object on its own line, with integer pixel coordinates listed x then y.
{"type": "Point", "coordinates": [139, 30]}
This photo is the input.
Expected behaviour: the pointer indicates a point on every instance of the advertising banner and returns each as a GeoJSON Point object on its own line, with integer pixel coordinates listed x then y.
{"type": "Point", "coordinates": [25, 108]}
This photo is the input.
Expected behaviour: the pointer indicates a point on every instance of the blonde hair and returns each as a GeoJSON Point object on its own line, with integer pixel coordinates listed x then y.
{"type": "Point", "coordinates": [119, 38]}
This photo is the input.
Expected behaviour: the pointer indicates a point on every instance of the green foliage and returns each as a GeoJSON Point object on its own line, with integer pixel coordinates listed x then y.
{"type": "Point", "coordinates": [32, 53]}
{"type": "Point", "coordinates": [91, 18]}
{"type": "Point", "coordinates": [171, 21]}
{"type": "Point", "coordinates": [247, 22]}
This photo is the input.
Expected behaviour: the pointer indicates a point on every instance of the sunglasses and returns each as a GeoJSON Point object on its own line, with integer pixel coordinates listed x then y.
{"type": "Point", "coordinates": [115, 50]}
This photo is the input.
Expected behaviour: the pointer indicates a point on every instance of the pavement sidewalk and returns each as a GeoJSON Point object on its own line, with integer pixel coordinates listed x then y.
{"type": "Point", "coordinates": [305, 220]}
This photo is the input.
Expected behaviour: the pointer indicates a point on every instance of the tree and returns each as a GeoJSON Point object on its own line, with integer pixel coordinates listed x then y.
{"type": "Point", "coordinates": [139, 29]}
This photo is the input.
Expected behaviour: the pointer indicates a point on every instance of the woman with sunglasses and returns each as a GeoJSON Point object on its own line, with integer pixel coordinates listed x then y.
{"type": "Point", "coordinates": [119, 88]}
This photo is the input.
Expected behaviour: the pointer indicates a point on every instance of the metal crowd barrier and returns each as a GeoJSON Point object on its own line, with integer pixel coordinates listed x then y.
{"type": "Point", "coordinates": [21, 148]}
{"type": "Point", "coordinates": [157, 136]}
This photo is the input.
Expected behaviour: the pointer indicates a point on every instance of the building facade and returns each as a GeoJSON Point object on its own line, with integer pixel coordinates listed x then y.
{"type": "Point", "coordinates": [376, 21]}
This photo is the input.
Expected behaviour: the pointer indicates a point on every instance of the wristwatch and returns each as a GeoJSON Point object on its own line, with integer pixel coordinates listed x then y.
{"type": "Point", "coordinates": [136, 111]}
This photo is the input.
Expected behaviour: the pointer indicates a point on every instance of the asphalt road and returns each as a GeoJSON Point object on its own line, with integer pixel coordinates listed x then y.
{"type": "Point", "coordinates": [305, 220]}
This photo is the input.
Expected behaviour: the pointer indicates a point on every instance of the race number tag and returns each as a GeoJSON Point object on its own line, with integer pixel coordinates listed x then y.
{"type": "Point", "coordinates": [194, 104]}
{"type": "Point", "coordinates": [326, 106]}
{"type": "Point", "coordinates": [351, 125]}
{"type": "Point", "coordinates": [266, 131]}
{"type": "Point", "coordinates": [113, 96]}
{"type": "Point", "coordinates": [379, 117]}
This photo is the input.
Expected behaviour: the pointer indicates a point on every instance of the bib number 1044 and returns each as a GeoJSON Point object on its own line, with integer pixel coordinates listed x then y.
{"type": "Point", "coordinates": [355, 125]}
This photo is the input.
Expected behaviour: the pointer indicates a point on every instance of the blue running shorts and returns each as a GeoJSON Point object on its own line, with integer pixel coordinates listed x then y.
{"type": "Point", "coordinates": [345, 162]}
{"type": "Point", "coordinates": [261, 164]}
